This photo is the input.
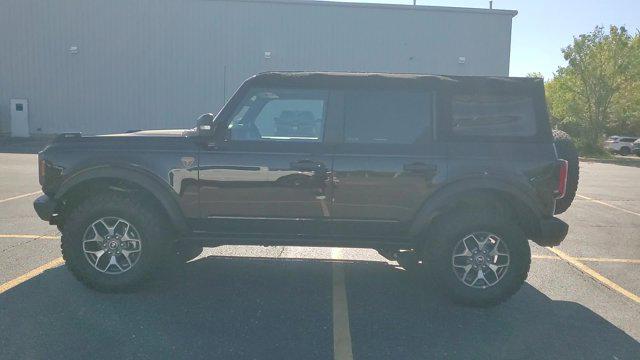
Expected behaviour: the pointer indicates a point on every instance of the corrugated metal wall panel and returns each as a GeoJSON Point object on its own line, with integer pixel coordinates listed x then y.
{"type": "Point", "coordinates": [160, 63]}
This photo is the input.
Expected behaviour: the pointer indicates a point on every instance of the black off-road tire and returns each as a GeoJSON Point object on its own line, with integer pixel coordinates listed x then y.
{"type": "Point", "coordinates": [156, 239]}
{"type": "Point", "coordinates": [438, 251]}
{"type": "Point", "coordinates": [567, 150]}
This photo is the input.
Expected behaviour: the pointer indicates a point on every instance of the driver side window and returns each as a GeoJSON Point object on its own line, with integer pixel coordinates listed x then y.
{"type": "Point", "coordinates": [280, 115]}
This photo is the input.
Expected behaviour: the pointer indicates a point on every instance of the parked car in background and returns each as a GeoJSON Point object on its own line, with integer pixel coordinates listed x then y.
{"type": "Point", "coordinates": [636, 147]}
{"type": "Point", "coordinates": [620, 144]}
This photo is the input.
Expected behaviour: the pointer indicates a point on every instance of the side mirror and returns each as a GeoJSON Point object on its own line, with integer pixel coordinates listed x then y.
{"type": "Point", "coordinates": [204, 125]}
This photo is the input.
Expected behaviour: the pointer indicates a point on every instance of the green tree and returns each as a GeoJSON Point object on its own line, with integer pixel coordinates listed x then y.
{"type": "Point", "coordinates": [598, 89]}
{"type": "Point", "coordinates": [625, 114]}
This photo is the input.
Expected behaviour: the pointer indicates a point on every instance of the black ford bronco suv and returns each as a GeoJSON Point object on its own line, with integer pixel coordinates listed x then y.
{"type": "Point", "coordinates": [448, 175]}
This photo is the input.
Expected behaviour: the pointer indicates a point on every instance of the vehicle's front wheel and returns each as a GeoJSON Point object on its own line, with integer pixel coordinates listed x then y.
{"type": "Point", "coordinates": [112, 242]}
{"type": "Point", "coordinates": [624, 151]}
{"type": "Point", "coordinates": [478, 262]}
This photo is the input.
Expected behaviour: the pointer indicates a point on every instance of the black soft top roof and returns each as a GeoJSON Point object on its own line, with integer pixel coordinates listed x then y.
{"type": "Point", "coordinates": [394, 80]}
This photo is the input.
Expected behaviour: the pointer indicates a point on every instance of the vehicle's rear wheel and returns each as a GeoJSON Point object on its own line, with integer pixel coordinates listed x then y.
{"type": "Point", "coordinates": [567, 151]}
{"type": "Point", "coordinates": [112, 242]}
{"type": "Point", "coordinates": [477, 262]}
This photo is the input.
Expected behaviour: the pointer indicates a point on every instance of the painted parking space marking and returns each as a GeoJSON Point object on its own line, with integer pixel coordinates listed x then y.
{"type": "Point", "coordinates": [341, 332]}
{"type": "Point", "coordinates": [589, 259]}
{"type": "Point", "coordinates": [607, 204]}
{"type": "Point", "coordinates": [31, 274]}
{"type": "Point", "coordinates": [595, 275]}
{"type": "Point", "coordinates": [545, 257]}
{"type": "Point", "coordinates": [20, 196]}
{"type": "Point", "coordinates": [609, 260]}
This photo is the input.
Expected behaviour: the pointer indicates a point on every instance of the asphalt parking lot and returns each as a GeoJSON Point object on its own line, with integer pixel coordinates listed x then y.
{"type": "Point", "coordinates": [581, 300]}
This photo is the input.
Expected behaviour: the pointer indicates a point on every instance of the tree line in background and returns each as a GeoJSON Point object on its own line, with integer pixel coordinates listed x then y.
{"type": "Point", "coordinates": [598, 92]}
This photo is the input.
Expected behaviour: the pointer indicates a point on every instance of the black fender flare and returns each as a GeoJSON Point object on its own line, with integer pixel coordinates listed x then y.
{"type": "Point", "coordinates": [159, 189]}
{"type": "Point", "coordinates": [442, 199]}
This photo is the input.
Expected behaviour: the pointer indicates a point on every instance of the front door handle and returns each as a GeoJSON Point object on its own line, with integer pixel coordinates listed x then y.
{"type": "Point", "coordinates": [419, 167]}
{"type": "Point", "coordinates": [307, 165]}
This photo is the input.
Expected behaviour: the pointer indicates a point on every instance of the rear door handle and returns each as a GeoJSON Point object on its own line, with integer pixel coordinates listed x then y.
{"type": "Point", "coordinates": [307, 165]}
{"type": "Point", "coordinates": [418, 167]}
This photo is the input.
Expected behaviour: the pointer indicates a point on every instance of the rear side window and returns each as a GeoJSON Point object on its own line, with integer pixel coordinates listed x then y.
{"type": "Point", "coordinates": [387, 117]}
{"type": "Point", "coordinates": [493, 115]}
{"type": "Point", "coordinates": [628, 140]}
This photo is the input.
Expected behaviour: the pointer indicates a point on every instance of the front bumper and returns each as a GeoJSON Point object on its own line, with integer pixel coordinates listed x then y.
{"type": "Point", "coordinates": [552, 232]}
{"type": "Point", "coordinates": [45, 207]}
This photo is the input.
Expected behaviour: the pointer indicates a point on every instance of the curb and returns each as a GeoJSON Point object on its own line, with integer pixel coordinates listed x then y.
{"type": "Point", "coordinates": [632, 161]}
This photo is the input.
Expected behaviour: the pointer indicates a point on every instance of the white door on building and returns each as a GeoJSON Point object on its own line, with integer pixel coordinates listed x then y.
{"type": "Point", "coordinates": [19, 118]}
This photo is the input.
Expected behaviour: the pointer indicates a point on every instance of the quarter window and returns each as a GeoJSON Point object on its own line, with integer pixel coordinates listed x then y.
{"type": "Point", "coordinates": [493, 115]}
{"type": "Point", "coordinates": [280, 115]}
{"type": "Point", "coordinates": [387, 117]}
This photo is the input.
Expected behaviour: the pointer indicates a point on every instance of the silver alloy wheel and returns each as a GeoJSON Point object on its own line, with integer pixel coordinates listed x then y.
{"type": "Point", "coordinates": [112, 245]}
{"type": "Point", "coordinates": [480, 259]}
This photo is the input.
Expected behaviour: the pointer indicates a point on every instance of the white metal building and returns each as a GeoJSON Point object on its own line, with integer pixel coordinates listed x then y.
{"type": "Point", "coordinates": [99, 66]}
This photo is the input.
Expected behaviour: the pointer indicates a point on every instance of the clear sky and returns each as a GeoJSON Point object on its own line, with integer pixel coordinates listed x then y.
{"type": "Point", "coordinates": [543, 27]}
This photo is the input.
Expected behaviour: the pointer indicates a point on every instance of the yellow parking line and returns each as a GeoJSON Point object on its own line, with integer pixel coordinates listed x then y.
{"type": "Point", "coordinates": [591, 259]}
{"type": "Point", "coordinates": [595, 275]}
{"type": "Point", "coordinates": [31, 274]}
{"type": "Point", "coordinates": [27, 236]}
{"type": "Point", "coordinates": [545, 257]}
{"type": "Point", "coordinates": [606, 204]}
{"type": "Point", "coordinates": [20, 196]}
{"type": "Point", "coordinates": [341, 331]}
{"type": "Point", "coordinates": [624, 261]}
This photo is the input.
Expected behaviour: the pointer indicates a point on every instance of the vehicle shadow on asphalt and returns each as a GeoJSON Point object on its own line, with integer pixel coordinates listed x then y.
{"type": "Point", "coordinates": [230, 308]}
